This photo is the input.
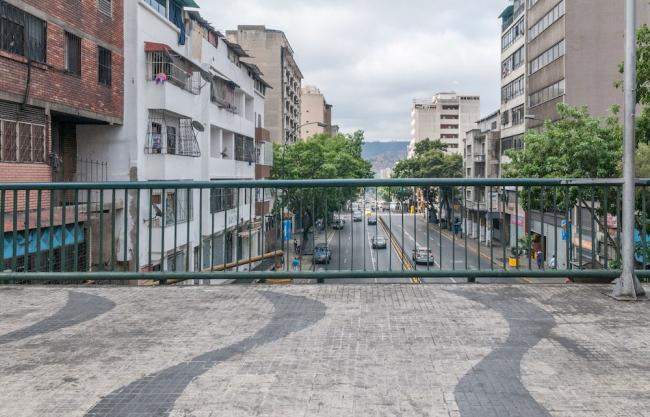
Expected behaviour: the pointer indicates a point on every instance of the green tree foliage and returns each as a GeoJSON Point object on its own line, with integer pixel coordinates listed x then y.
{"type": "Point", "coordinates": [430, 160]}
{"type": "Point", "coordinates": [320, 157]}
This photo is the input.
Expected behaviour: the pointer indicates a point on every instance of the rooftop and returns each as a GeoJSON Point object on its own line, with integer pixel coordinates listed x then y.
{"type": "Point", "coordinates": [327, 350]}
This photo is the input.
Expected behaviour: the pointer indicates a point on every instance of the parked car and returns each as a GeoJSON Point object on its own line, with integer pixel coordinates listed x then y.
{"type": "Point", "coordinates": [357, 216]}
{"type": "Point", "coordinates": [372, 220]}
{"type": "Point", "coordinates": [338, 224]}
{"type": "Point", "coordinates": [379, 242]}
{"type": "Point", "coordinates": [322, 254]}
{"type": "Point", "coordinates": [422, 256]}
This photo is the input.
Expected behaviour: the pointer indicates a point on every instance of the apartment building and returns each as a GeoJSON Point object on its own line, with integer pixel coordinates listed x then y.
{"type": "Point", "coordinates": [446, 118]}
{"type": "Point", "coordinates": [271, 51]}
{"type": "Point", "coordinates": [316, 113]}
{"type": "Point", "coordinates": [193, 111]}
{"type": "Point", "coordinates": [61, 68]}
{"type": "Point", "coordinates": [513, 75]}
{"type": "Point", "coordinates": [482, 160]}
{"type": "Point", "coordinates": [574, 50]}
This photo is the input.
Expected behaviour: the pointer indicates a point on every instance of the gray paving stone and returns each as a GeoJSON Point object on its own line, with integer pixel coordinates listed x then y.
{"type": "Point", "coordinates": [376, 350]}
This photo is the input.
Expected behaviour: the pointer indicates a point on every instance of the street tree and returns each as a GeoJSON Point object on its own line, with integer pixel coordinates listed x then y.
{"type": "Point", "coordinates": [430, 160]}
{"type": "Point", "coordinates": [320, 157]}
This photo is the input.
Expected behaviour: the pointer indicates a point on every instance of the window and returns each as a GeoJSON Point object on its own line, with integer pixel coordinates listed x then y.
{"type": "Point", "coordinates": [222, 199]}
{"type": "Point", "coordinates": [450, 107]}
{"type": "Point", "coordinates": [104, 64]}
{"type": "Point", "coordinates": [449, 116]}
{"type": "Point", "coordinates": [169, 134]}
{"type": "Point", "coordinates": [72, 54]}
{"type": "Point", "coordinates": [222, 93]}
{"type": "Point", "coordinates": [512, 90]}
{"type": "Point", "coordinates": [505, 118]}
{"type": "Point", "coordinates": [449, 136]}
{"type": "Point", "coordinates": [158, 5]}
{"type": "Point", "coordinates": [176, 207]}
{"type": "Point", "coordinates": [105, 7]}
{"type": "Point", "coordinates": [22, 142]}
{"type": "Point", "coordinates": [518, 115]}
{"type": "Point", "coordinates": [448, 126]}
{"type": "Point", "coordinates": [512, 35]}
{"type": "Point", "coordinates": [513, 62]}
{"type": "Point", "coordinates": [244, 149]}
{"type": "Point", "coordinates": [549, 93]}
{"type": "Point", "coordinates": [546, 57]}
{"type": "Point", "coordinates": [511, 142]}
{"type": "Point", "coordinates": [21, 33]}
{"type": "Point", "coordinates": [546, 21]}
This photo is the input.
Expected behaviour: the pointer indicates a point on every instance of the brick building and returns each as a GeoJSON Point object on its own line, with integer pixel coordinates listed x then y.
{"type": "Point", "coordinates": [61, 68]}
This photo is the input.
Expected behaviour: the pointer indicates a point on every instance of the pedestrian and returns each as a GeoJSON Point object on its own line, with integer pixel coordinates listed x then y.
{"type": "Point", "coordinates": [540, 259]}
{"type": "Point", "coordinates": [553, 262]}
{"type": "Point", "coordinates": [298, 251]}
{"type": "Point", "coordinates": [295, 245]}
{"type": "Point", "coordinates": [296, 263]}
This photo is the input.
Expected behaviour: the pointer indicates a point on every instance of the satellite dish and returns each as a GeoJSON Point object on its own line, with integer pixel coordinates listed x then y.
{"type": "Point", "coordinates": [197, 126]}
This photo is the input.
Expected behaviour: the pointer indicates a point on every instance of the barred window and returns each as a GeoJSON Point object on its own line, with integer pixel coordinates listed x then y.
{"type": "Point", "coordinates": [104, 66]}
{"type": "Point", "coordinates": [244, 149]}
{"type": "Point", "coordinates": [105, 7]}
{"type": "Point", "coordinates": [72, 54]}
{"type": "Point", "coordinates": [222, 199]}
{"type": "Point", "coordinates": [21, 142]}
{"type": "Point", "coordinates": [21, 33]}
{"type": "Point", "coordinates": [174, 207]}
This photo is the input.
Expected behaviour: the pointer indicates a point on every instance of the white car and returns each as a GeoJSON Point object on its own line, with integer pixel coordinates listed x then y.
{"type": "Point", "coordinates": [422, 256]}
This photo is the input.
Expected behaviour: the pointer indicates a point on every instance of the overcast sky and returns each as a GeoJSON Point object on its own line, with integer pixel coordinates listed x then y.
{"type": "Point", "coordinates": [371, 58]}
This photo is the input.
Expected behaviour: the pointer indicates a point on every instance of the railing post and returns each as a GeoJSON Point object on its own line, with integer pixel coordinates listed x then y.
{"type": "Point", "coordinates": [628, 286]}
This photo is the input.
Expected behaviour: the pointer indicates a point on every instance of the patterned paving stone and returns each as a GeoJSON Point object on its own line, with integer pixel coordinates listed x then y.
{"type": "Point", "coordinates": [339, 350]}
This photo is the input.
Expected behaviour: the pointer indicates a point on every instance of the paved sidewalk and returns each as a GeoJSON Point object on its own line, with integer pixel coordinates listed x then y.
{"type": "Point", "coordinates": [322, 350]}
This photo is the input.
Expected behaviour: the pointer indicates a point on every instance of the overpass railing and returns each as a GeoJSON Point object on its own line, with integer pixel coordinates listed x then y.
{"type": "Point", "coordinates": [180, 231]}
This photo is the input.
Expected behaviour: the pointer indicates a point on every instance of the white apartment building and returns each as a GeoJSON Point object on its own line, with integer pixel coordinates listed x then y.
{"type": "Point", "coordinates": [191, 113]}
{"type": "Point", "coordinates": [513, 75]}
{"type": "Point", "coordinates": [446, 117]}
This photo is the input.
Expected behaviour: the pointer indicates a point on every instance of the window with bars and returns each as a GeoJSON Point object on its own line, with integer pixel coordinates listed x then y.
{"type": "Point", "coordinates": [21, 33]}
{"type": "Point", "coordinates": [174, 207]}
{"type": "Point", "coordinates": [72, 54]}
{"type": "Point", "coordinates": [21, 142]}
{"type": "Point", "coordinates": [222, 199]}
{"type": "Point", "coordinates": [244, 149]}
{"type": "Point", "coordinates": [105, 6]}
{"type": "Point", "coordinates": [104, 66]}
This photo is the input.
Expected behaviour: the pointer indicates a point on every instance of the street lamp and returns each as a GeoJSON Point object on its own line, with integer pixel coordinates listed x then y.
{"type": "Point", "coordinates": [286, 140]}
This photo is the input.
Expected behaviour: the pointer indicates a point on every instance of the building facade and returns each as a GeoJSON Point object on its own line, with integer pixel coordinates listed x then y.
{"type": "Point", "coordinates": [316, 113]}
{"type": "Point", "coordinates": [271, 51]}
{"type": "Point", "coordinates": [482, 160]}
{"type": "Point", "coordinates": [61, 69]}
{"type": "Point", "coordinates": [446, 118]}
{"type": "Point", "coordinates": [193, 111]}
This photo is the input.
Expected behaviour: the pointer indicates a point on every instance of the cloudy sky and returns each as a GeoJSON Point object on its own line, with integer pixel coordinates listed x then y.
{"type": "Point", "coordinates": [371, 58]}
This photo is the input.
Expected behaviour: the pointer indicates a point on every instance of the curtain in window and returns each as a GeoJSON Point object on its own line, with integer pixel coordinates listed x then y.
{"type": "Point", "coordinates": [176, 17]}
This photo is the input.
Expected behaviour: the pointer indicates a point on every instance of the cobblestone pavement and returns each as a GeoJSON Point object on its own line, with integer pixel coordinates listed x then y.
{"type": "Point", "coordinates": [322, 350]}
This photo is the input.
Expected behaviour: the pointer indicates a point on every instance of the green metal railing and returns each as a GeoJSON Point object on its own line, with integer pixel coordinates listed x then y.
{"type": "Point", "coordinates": [219, 230]}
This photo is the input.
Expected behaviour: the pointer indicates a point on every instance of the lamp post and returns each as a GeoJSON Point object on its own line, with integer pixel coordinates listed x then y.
{"type": "Point", "coordinates": [628, 286]}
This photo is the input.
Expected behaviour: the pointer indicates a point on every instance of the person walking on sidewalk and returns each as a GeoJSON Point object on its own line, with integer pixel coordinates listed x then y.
{"type": "Point", "coordinates": [296, 263]}
{"type": "Point", "coordinates": [540, 259]}
{"type": "Point", "coordinates": [295, 246]}
{"type": "Point", "coordinates": [553, 262]}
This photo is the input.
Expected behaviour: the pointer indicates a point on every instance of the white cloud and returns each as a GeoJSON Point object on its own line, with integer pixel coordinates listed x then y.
{"type": "Point", "coordinates": [372, 57]}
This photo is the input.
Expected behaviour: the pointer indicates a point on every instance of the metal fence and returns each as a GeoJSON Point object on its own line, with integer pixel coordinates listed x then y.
{"type": "Point", "coordinates": [416, 229]}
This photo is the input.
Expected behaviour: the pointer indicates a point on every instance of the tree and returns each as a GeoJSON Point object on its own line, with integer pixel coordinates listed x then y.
{"type": "Point", "coordinates": [320, 157]}
{"type": "Point", "coordinates": [430, 160]}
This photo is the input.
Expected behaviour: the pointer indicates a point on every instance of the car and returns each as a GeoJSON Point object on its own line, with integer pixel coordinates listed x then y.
{"type": "Point", "coordinates": [378, 242]}
{"type": "Point", "coordinates": [372, 220]}
{"type": "Point", "coordinates": [422, 256]}
{"type": "Point", "coordinates": [357, 216]}
{"type": "Point", "coordinates": [338, 224]}
{"type": "Point", "coordinates": [322, 254]}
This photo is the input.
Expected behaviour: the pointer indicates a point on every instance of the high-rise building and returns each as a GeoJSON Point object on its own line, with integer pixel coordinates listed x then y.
{"type": "Point", "coordinates": [270, 50]}
{"type": "Point", "coordinates": [446, 118]}
{"type": "Point", "coordinates": [316, 113]}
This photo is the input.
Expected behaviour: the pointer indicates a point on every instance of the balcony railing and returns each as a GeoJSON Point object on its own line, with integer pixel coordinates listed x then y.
{"type": "Point", "coordinates": [165, 67]}
{"type": "Point", "coordinates": [567, 224]}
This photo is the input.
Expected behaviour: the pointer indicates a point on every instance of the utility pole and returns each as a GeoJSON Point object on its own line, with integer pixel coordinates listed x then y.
{"type": "Point", "coordinates": [628, 286]}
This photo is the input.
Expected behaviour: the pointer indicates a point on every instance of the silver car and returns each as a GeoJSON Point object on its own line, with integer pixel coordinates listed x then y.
{"type": "Point", "coordinates": [378, 242]}
{"type": "Point", "coordinates": [422, 256]}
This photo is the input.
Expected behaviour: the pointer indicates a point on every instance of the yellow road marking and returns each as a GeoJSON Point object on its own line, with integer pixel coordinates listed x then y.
{"type": "Point", "coordinates": [406, 263]}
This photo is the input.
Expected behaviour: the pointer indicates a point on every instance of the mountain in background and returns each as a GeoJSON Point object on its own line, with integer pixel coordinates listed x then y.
{"type": "Point", "coordinates": [384, 155]}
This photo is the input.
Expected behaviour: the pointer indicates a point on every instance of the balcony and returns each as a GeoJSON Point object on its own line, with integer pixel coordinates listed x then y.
{"type": "Point", "coordinates": [479, 158]}
{"type": "Point", "coordinates": [165, 66]}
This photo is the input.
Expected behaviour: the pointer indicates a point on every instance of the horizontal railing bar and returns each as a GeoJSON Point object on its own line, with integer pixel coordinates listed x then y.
{"type": "Point", "coordinates": [317, 183]}
{"type": "Point", "coordinates": [132, 276]}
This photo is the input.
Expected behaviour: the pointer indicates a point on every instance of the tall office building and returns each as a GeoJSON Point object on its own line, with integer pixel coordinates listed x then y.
{"type": "Point", "coordinates": [270, 50]}
{"type": "Point", "coordinates": [446, 118]}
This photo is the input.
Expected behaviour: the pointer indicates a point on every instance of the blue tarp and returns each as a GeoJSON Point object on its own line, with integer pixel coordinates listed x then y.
{"type": "Point", "coordinates": [59, 234]}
